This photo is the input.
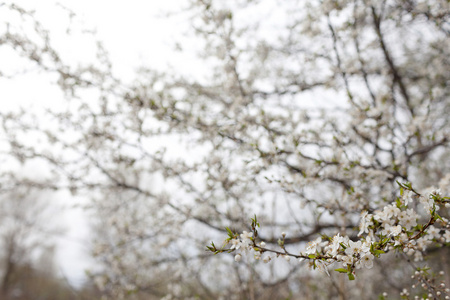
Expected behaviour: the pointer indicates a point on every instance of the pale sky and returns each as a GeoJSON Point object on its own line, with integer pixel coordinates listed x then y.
{"type": "Point", "coordinates": [135, 33]}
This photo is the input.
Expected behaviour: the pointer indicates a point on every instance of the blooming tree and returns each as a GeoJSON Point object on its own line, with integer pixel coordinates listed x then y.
{"type": "Point", "coordinates": [311, 116]}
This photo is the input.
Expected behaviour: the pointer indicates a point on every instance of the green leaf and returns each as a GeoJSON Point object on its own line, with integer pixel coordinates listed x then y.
{"type": "Point", "coordinates": [351, 276]}
{"type": "Point", "coordinates": [341, 270]}
{"type": "Point", "coordinates": [312, 256]}
{"type": "Point", "coordinates": [378, 252]}
{"type": "Point", "coordinates": [255, 222]}
{"type": "Point", "coordinates": [230, 233]}
{"type": "Point", "coordinates": [400, 184]}
{"type": "Point", "coordinates": [325, 237]}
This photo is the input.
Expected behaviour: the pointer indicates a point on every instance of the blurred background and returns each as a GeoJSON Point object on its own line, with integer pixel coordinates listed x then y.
{"type": "Point", "coordinates": [133, 133]}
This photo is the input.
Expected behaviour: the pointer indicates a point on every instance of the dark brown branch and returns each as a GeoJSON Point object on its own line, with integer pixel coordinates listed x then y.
{"type": "Point", "coordinates": [426, 149]}
{"type": "Point", "coordinates": [393, 68]}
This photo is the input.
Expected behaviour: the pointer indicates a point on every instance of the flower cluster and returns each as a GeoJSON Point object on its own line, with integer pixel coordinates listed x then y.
{"type": "Point", "coordinates": [397, 226]}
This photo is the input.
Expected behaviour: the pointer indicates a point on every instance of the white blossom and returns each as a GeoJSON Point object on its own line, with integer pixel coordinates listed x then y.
{"type": "Point", "coordinates": [447, 236]}
{"type": "Point", "coordinates": [365, 223]}
{"type": "Point", "coordinates": [356, 248]}
{"type": "Point", "coordinates": [367, 260]}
